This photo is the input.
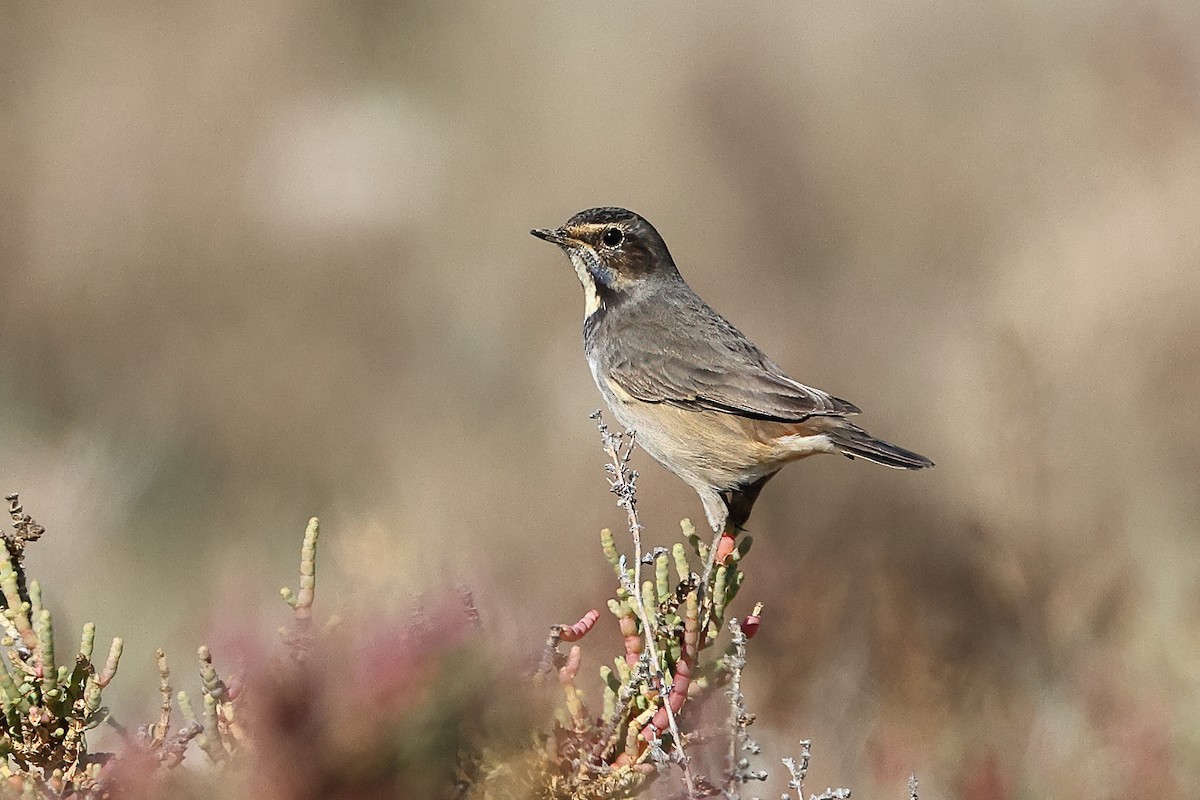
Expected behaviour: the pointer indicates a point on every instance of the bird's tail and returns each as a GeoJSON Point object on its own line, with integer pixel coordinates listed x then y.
{"type": "Point", "coordinates": [853, 442]}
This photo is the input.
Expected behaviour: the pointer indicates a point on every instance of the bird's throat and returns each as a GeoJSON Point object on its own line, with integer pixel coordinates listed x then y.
{"type": "Point", "coordinates": [591, 295]}
{"type": "Point", "coordinates": [592, 301]}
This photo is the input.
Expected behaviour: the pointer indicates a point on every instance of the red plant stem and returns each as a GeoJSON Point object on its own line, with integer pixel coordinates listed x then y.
{"type": "Point", "coordinates": [633, 641]}
{"type": "Point", "coordinates": [725, 548]}
{"type": "Point", "coordinates": [750, 623]}
{"type": "Point", "coordinates": [573, 633]}
{"type": "Point", "coordinates": [568, 671]}
{"type": "Point", "coordinates": [566, 676]}
{"type": "Point", "coordinates": [683, 672]}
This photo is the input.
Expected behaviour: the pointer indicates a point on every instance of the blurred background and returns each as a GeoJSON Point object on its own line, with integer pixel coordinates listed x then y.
{"type": "Point", "coordinates": [272, 262]}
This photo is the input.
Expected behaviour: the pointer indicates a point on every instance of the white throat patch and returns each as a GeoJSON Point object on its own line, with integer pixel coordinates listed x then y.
{"type": "Point", "coordinates": [591, 297]}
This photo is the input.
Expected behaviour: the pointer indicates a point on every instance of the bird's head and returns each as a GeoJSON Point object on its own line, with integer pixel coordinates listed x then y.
{"type": "Point", "coordinates": [615, 252]}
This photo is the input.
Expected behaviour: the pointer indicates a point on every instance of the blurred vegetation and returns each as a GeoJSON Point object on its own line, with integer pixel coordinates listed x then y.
{"type": "Point", "coordinates": [385, 710]}
{"type": "Point", "coordinates": [323, 716]}
{"type": "Point", "coordinates": [47, 707]}
{"type": "Point", "coordinates": [274, 257]}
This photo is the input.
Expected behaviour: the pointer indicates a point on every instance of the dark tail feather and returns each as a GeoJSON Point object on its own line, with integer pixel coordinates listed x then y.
{"type": "Point", "coordinates": [853, 442]}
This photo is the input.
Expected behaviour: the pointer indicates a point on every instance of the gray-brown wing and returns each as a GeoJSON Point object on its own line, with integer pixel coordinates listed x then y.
{"type": "Point", "coordinates": [758, 394]}
{"type": "Point", "coordinates": [714, 367]}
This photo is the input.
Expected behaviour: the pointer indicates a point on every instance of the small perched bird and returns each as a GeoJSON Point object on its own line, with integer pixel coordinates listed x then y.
{"type": "Point", "coordinates": [704, 401]}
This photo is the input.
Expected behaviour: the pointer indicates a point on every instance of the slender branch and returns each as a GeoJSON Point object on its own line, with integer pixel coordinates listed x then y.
{"type": "Point", "coordinates": [738, 770]}
{"type": "Point", "coordinates": [799, 771]}
{"type": "Point", "coordinates": [623, 483]}
{"type": "Point", "coordinates": [709, 565]}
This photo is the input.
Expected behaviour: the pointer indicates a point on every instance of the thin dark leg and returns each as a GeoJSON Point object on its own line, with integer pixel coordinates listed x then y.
{"type": "Point", "coordinates": [740, 501]}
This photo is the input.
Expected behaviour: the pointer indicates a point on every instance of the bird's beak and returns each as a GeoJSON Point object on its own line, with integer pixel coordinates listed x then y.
{"type": "Point", "coordinates": [558, 237]}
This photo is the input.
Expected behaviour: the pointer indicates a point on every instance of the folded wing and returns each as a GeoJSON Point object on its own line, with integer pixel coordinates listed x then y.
{"type": "Point", "coordinates": [717, 369]}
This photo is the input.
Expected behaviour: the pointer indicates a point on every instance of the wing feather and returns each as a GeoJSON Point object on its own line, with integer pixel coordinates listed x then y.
{"type": "Point", "coordinates": [726, 372]}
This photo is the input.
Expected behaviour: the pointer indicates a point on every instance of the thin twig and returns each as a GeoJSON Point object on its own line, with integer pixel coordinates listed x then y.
{"type": "Point", "coordinates": [737, 767]}
{"type": "Point", "coordinates": [25, 530]}
{"type": "Point", "coordinates": [798, 771]}
{"type": "Point", "coordinates": [623, 483]}
{"type": "Point", "coordinates": [705, 580]}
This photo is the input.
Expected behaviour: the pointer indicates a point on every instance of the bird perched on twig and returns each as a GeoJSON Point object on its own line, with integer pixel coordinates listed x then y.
{"type": "Point", "coordinates": [704, 401]}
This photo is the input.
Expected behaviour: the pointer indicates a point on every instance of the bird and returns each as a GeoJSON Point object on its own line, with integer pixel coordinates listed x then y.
{"type": "Point", "coordinates": [702, 399]}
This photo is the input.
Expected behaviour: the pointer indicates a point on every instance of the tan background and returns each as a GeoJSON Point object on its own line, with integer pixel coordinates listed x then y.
{"type": "Point", "coordinates": [265, 263]}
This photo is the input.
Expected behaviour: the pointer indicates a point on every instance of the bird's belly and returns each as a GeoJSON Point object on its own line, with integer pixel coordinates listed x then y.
{"type": "Point", "coordinates": [706, 448]}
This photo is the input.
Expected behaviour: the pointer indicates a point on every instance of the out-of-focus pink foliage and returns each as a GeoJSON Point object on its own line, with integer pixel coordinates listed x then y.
{"type": "Point", "coordinates": [376, 707]}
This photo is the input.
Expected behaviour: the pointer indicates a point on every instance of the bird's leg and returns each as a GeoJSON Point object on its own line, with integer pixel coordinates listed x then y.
{"type": "Point", "coordinates": [741, 501]}
{"type": "Point", "coordinates": [726, 539]}
{"type": "Point", "coordinates": [727, 513]}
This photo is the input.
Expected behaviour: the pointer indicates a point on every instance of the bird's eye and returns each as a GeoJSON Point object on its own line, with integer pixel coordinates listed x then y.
{"type": "Point", "coordinates": [612, 237]}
